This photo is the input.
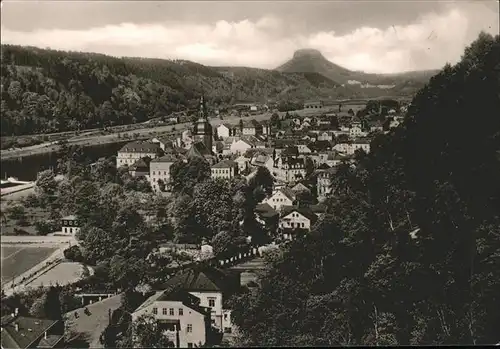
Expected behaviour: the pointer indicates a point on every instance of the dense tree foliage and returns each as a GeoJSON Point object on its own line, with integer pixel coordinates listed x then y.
{"type": "Point", "coordinates": [185, 175]}
{"type": "Point", "coordinates": [408, 250]}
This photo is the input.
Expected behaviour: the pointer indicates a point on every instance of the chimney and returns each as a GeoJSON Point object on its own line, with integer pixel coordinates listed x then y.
{"type": "Point", "coordinates": [45, 335]}
{"type": "Point", "coordinates": [16, 325]}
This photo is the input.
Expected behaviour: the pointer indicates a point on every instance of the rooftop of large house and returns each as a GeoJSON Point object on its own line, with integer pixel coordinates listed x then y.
{"type": "Point", "coordinates": [300, 187]}
{"type": "Point", "coordinates": [203, 279]}
{"type": "Point", "coordinates": [288, 193]}
{"type": "Point", "coordinates": [225, 164]}
{"type": "Point", "coordinates": [305, 211]}
{"type": "Point", "coordinates": [140, 147]}
{"type": "Point", "coordinates": [22, 332]}
{"type": "Point", "coordinates": [175, 295]}
{"type": "Point", "coordinates": [253, 141]}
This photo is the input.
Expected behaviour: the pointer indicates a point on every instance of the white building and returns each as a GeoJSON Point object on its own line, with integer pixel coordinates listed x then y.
{"type": "Point", "coordinates": [297, 218]}
{"type": "Point", "coordinates": [133, 151]}
{"type": "Point", "coordinates": [180, 315]}
{"type": "Point", "coordinates": [226, 169]}
{"type": "Point", "coordinates": [280, 198]}
{"type": "Point", "coordinates": [70, 225]}
{"type": "Point", "coordinates": [208, 284]}
{"type": "Point", "coordinates": [159, 169]}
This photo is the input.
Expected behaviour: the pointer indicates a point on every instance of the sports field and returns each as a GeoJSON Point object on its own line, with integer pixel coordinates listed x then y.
{"type": "Point", "coordinates": [19, 259]}
{"type": "Point", "coordinates": [62, 274]}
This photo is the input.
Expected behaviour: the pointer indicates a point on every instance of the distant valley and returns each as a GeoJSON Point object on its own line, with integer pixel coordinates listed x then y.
{"type": "Point", "coordinates": [46, 91]}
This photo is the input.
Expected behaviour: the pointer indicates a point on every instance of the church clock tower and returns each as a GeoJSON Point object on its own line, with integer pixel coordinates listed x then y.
{"type": "Point", "coordinates": [202, 130]}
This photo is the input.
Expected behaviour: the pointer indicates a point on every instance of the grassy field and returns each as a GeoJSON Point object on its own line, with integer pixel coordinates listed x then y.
{"type": "Point", "coordinates": [19, 259]}
{"type": "Point", "coordinates": [62, 274]}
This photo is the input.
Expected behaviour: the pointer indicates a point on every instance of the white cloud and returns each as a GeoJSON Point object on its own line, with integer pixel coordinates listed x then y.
{"type": "Point", "coordinates": [429, 42]}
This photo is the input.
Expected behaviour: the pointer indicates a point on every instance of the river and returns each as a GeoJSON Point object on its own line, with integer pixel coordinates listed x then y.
{"type": "Point", "coordinates": [27, 168]}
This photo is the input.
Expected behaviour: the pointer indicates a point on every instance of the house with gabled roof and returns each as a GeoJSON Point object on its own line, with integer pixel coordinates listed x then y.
{"type": "Point", "coordinates": [294, 217]}
{"type": "Point", "coordinates": [300, 188]}
{"type": "Point", "coordinates": [30, 332]}
{"type": "Point", "coordinates": [210, 285]}
{"type": "Point", "coordinates": [251, 128]}
{"type": "Point", "coordinates": [226, 130]}
{"type": "Point", "coordinates": [280, 198]}
{"type": "Point", "coordinates": [179, 314]}
{"type": "Point", "coordinates": [225, 169]}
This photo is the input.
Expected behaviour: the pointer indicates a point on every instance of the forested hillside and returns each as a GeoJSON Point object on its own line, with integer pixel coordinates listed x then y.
{"type": "Point", "coordinates": [45, 91]}
{"type": "Point", "coordinates": [409, 252]}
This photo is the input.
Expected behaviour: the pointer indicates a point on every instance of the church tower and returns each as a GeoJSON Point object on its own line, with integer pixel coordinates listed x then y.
{"type": "Point", "coordinates": [202, 130]}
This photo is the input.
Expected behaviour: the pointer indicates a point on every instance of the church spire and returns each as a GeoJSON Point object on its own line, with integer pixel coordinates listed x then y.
{"type": "Point", "coordinates": [202, 111]}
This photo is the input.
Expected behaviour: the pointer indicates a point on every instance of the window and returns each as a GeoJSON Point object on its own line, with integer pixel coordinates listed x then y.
{"type": "Point", "coordinates": [190, 345]}
{"type": "Point", "coordinates": [155, 311]}
{"type": "Point", "coordinates": [181, 311]}
{"type": "Point", "coordinates": [189, 328]}
{"type": "Point", "coordinates": [172, 311]}
{"type": "Point", "coordinates": [225, 316]}
{"type": "Point", "coordinates": [164, 311]}
{"type": "Point", "coordinates": [154, 173]}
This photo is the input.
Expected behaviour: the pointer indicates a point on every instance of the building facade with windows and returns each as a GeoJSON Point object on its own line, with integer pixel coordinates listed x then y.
{"type": "Point", "coordinates": [134, 151]}
{"type": "Point", "coordinates": [226, 169]}
{"type": "Point", "coordinates": [159, 170]}
{"type": "Point", "coordinates": [179, 314]}
{"type": "Point", "coordinates": [210, 286]}
{"type": "Point", "coordinates": [70, 225]}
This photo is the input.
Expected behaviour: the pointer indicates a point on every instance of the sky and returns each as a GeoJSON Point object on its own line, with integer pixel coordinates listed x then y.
{"type": "Point", "coordinates": [372, 36]}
